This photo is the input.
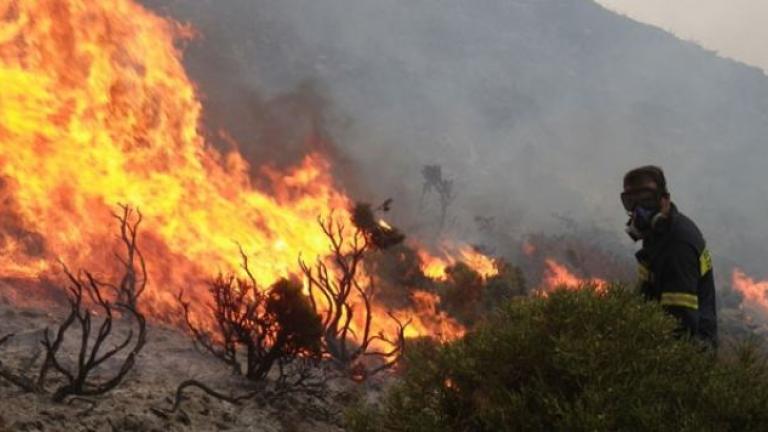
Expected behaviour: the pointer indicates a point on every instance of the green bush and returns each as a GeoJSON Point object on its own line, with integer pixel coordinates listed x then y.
{"type": "Point", "coordinates": [573, 361]}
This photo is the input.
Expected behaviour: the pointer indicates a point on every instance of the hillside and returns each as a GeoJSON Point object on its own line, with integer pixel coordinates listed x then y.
{"type": "Point", "coordinates": [552, 96]}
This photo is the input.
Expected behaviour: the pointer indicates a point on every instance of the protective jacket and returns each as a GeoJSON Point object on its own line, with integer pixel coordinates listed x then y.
{"type": "Point", "coordinates": [675, 269]}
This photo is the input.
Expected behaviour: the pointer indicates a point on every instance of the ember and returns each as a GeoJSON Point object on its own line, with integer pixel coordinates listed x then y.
{"type": "Point", "coordinates": [557, 275]}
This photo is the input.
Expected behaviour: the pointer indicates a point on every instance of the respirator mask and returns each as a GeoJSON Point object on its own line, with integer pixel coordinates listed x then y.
{"type": "Point", "coordinates": [644, 209]}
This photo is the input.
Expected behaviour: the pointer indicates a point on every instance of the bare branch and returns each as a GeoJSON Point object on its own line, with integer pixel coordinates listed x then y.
{"type": "Point", "coordinates": [134, 280]}
{"type": "Point", "coordinates": [248, 320]}
{"type": "Point", "coordinates": [225, 350]}
{"type": "Point", "coordinates": [78, 381]}
{"type": "Point", "coordinates": [84, 290]}
{"type": "Point", "coordinates": [235, 400]}
{"type": "Point", "coordinates": [346, 298]}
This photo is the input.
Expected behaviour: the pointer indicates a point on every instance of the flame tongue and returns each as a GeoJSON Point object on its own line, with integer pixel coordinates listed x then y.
{"type": "Point", "coordinates": [755, 292]}
{"type": "Point", "coordinates": [434, 266]}
{"type": "Point", "coordinates": [557, 275]}
{"type": "Point", "coordinates": [96, 109]}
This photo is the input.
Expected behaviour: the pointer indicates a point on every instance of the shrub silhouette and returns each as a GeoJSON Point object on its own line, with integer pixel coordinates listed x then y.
{"type": "Point", "coordinates": [576, 361]}
{"type": "Point", "coordinates": [468, 297]}
{"type": "Point", "coordinates": [273, 327]}
{"type": "Point", "coordinates": [267, 330]}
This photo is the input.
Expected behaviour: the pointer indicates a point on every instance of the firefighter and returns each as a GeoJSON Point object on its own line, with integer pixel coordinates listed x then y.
{"type": "Point", "coordinates": [675, 267]}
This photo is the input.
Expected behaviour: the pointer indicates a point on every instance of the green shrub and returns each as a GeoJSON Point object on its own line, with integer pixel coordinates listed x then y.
{"type": "Point", "coordinates": [574, 361]}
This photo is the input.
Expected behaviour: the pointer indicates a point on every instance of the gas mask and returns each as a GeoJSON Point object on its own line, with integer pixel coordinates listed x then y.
{"type": "Point", "coordinates": [644, 209]}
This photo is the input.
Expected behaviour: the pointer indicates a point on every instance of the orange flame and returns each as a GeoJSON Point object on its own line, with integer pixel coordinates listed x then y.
{"type": "Point", "coordinates": [96, 109]}
{"type": "Point", "coordinates": [755, 292]}
{"type": "Point", "coordinates": [557, 275]}
{"type": "Point", "coordinates": [434, 266]}
{"type": "Point", "coordinates": [430, 320]}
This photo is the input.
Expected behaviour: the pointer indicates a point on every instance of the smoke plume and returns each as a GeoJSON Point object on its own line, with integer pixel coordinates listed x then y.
{"type": "Point", "coordinates": [533, 108]}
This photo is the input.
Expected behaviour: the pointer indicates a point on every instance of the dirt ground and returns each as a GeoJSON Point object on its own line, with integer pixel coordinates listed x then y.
{"type": "Point", "coordinates": [143, 401]}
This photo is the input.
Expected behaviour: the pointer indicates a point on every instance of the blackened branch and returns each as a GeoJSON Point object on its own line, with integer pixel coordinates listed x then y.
{"type": "Point", "coordinates": [345, 299]}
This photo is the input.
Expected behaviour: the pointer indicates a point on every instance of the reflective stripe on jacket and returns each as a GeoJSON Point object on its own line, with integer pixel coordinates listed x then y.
{"type": "Point", "coordinates": [675, 269]}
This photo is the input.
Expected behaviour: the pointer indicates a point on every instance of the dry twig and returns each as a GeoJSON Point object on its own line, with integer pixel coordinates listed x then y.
{"type": "Point", "coordinates": [338, 295]}
{"type": "Point", "coordinates": [86, 291]}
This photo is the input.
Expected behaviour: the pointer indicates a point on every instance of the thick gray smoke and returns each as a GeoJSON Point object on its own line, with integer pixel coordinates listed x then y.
{"type": "Point", "coordinates": [534, 108]}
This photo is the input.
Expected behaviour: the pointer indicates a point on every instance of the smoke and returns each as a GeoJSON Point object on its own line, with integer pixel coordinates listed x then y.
{"type": "Point", "coordinates": [534, 108]}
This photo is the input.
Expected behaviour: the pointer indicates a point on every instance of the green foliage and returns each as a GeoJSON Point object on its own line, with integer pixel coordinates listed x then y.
{"type": "Point", "coordinates": [576, 361]}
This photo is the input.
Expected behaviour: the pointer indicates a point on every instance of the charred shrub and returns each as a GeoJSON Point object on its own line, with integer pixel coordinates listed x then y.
{"type": "Point", "coordinates": [504, 286]}
{"type": "Point", "coordinates": [468, 296]}
{"type": "Point", "coordinates": [575, 361]}
{"type": "Point", "coordinates": [91, 326]}
{"type": "Point", "coordinates": [378, 236]}
{"type": "Point", "coordinates": [461, 293]}
{"type": "Point", "coordinates": [399, 272]}
{"type": "Point", "coordinates": [300, 330]}
{"type": "Point", "coordinates": [260, 329]}
{"type": "Point", "coordinates": [273, 332]}
{"type": "Point", "coordinates": [343, 296]}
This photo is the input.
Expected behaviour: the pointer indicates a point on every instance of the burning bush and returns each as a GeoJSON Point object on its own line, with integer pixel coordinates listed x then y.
{"type": "Point", "coordinates": [285, 328]}
{"type": "Point", "coordinates": [272, 329]}
{"type": "Point", "coordinates": [343, 298]}
{"type": "Point", "coordinates": [276, 327]}
{"type": "Point", "coordinates": [378, 235]}
{"type": "Point", "coordinates": [399, 273]}
{"type": "Point", "coordinates": [575, 360]}
{"type": "Point", "coordinates": [502, 287]}
{"type": "Point", "coordinates": [468, 296]}
{"type": "Point", "coordinates": [461, 293]}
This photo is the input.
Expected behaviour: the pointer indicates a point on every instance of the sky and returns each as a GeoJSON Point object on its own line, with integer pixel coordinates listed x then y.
{"type": "Point", "coordinates": [734, 28]}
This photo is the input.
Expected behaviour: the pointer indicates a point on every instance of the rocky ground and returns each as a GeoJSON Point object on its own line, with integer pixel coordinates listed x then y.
{"type": "Point", "coordinates": [143, 401]}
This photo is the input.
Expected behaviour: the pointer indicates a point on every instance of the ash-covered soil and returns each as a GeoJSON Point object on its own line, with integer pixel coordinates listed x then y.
{"type": "Point", "coordinates": [143, 401]}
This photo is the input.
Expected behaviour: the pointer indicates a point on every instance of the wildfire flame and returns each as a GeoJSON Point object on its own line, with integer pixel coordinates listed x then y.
{"type": "Point", "coordinates": [557, 275]}
{"type": "Point", "coordinates": [434, 266]}
{"type": "Point", "coordinates": [430, 321]}
{"type": "Point", "coordinates": [754, 292]}
{"type": "Point", "coordinates": [95, 110]}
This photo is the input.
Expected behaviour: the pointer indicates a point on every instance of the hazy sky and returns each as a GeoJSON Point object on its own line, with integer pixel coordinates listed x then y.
{"type": "Point", "coordinates": [734, 28]}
